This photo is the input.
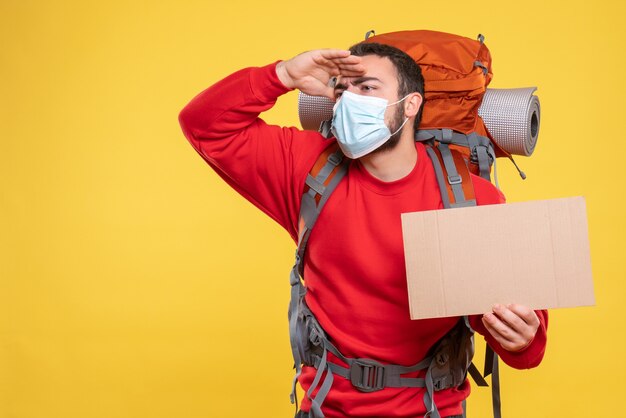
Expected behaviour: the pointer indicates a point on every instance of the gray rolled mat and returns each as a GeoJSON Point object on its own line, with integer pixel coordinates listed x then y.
{"type": "Point", "coordinates": [511, 116]}
{"type": "Point", "coordinates": [313, 110]}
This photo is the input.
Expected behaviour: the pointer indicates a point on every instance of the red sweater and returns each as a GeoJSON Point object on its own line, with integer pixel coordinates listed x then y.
{"type": "Point", "coordinates": [354, 265]}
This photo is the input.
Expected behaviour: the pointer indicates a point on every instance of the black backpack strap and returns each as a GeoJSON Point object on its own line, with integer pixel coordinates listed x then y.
{"type": "Point", "coordinates": [492, 368]}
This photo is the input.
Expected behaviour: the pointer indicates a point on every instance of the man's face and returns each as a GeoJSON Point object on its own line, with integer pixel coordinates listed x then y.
{"type": "Point", "coordinates": [379, 80]}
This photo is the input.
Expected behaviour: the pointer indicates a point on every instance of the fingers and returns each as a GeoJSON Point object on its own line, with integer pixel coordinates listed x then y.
{"type": "Point", "coordinates": [525, 313]}
{"type": "Point", "coordinates": [338, 56]}
{"type": "Point", "coordinates": [513, 326]}
{"type": "Point", "coordinates": [330, 53]}
{"type": "Point", "coordinates": [328, 92]}
{"type": "Point", "coordinates": [311, 71]}
{"type": "Point", "coordinates": [351, 70]}
{"type": "Point", "coordinates": [339, 62]}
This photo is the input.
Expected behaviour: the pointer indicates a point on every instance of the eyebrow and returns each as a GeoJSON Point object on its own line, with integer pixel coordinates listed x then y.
{"type": "Point", "coordinates": [356, 82]}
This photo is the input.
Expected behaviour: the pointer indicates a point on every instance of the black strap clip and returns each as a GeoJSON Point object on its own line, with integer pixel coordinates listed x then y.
{"type": "Point", "coordinates": [367, 375]}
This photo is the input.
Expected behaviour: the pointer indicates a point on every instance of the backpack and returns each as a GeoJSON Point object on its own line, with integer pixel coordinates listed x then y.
{"type": "Point", "coordinates": [456, 71]}
{"type": "Point", "coordinates": [459, 110]}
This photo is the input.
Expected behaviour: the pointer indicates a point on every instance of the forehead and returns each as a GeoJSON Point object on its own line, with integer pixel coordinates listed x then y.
{"type": "Point", "coordinates": [379, 67]}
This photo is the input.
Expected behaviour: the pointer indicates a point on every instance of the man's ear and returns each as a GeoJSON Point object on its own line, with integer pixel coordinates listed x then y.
{"type": "Point", "coordinates": [412, 104]}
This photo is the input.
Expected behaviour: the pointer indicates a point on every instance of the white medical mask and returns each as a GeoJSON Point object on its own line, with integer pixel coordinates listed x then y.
{"type": "Point", "coordinates": [359, 123]}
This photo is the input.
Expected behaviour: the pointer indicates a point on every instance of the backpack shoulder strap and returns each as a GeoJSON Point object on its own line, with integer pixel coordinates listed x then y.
{"type": "Point", "coordinates": [330, 167]}
{"type": "Point", "coordinates": [327, 172]}
{"type": "Point", "coordinates": [457, 190]}
{"type": "Point", "coordinates": [453, 176]}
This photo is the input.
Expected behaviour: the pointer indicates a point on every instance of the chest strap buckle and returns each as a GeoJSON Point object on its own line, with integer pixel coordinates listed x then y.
{"type": "Point", "coordinates": [367, 375]}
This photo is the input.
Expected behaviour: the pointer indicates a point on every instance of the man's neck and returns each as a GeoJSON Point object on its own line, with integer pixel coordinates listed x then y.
{"type": "Point", "coordinates": [394, 164]}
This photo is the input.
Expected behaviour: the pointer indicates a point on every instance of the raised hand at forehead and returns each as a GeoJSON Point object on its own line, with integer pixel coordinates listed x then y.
{"type": "Point", "coordinates": [312, 71]}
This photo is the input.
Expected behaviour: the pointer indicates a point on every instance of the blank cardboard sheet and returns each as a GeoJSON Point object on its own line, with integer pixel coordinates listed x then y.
{"type": "Point", "coordinates": [463, 261]}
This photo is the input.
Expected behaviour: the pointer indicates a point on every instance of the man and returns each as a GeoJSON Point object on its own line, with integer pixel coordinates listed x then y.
{"type": "Point", "coordinates": [354, 266]}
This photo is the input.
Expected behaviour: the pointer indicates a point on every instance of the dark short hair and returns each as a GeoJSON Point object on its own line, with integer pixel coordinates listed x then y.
{"type": "Point", "coordinates": [410, 78]}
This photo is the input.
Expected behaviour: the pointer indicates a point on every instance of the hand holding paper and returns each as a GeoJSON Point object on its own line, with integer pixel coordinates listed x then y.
{"type": "Point", "coordinates": [513, 326]}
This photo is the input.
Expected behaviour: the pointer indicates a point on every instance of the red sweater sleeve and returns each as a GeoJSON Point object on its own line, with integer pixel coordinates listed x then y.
{"type": "Point", "coordinates": [266, 164]}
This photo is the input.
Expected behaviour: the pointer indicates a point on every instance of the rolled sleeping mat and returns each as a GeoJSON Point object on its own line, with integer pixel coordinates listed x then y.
{"type": "Point", "coordinates": [511, 116]}
{"type": "Point", "coordinates": [313, 110]}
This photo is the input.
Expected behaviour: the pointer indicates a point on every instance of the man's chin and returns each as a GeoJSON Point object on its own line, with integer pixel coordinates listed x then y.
{"type": "Point", "coordinates": [388, 146]}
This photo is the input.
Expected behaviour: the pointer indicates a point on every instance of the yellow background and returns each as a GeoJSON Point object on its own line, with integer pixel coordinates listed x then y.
{"type": "Point", "coordinates": [134, 283]}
